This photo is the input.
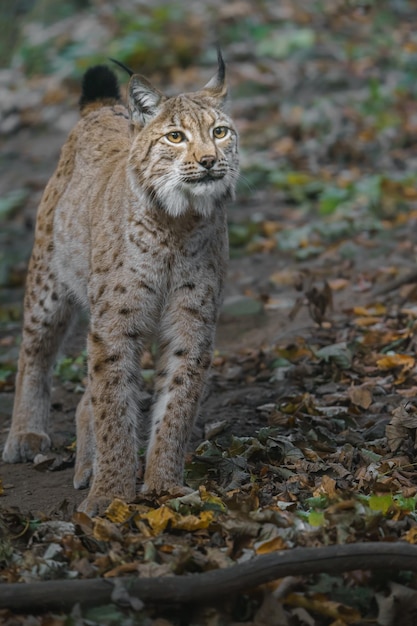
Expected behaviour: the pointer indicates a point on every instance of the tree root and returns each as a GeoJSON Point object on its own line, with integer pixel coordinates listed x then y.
{"type": "Point", "coordinates": [208, 587]}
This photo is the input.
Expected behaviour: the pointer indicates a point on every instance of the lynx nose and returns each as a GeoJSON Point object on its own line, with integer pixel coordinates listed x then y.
{"type": "Point", "coordinates": [207, 161]}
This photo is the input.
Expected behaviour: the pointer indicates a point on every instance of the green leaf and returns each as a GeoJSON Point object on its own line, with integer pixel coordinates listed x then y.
{"type": "Point", "coordinates": [331, 198]}
{"type": "Point", "coordinates": [381, 503]}
{"type": "Point", "coordinates": [107, 614]}
{"type": "Point", "coordinates": [72, 369]}
{"type": "Point", "coordinates": [239, 234]}
{"type": "Point", "coordinates": [316, 518]}
{"type": "Point", "coordinates": [280, 45]}
{"type": "Point", "coordinates": [339, 353]}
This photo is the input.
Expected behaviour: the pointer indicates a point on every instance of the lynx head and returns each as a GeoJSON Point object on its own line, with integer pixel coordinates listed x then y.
{"type": "Point", "coordinates": [184, 153]}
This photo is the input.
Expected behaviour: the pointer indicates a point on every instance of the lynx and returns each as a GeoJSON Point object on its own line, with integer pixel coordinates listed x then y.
{"type": "Point", "coordinates": [132, 227]}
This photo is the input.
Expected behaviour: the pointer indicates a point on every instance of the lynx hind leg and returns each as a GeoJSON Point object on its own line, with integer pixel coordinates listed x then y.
{"type": "Point", "coordinates": [85, 442]}
{"type": "Point", "coordinates": [47, 317]}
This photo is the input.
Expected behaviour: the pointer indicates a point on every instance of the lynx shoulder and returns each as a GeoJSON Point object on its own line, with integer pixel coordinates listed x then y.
{"type": "Point", "coordinates": [132, 227]}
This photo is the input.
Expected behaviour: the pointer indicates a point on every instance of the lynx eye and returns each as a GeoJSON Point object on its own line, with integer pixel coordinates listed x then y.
{"type": "Point", "coordinates": [220, 132]}
{"type": "Point", "coordinates": [175, 137]}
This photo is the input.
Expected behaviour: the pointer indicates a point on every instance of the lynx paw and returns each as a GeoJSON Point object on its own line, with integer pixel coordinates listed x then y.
{"type": "Point", "coordinates": [21, 447]}
{"type": "Point", "coordinates": [173, 490]}
{"type": "Point", "coordinates": [101, 496]}
{"type": "Point", "coordinates": [95, 505]}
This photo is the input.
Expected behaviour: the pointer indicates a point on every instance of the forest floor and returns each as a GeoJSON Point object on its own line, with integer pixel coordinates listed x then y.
{"type": "Point", "coordinates": [306, 434]}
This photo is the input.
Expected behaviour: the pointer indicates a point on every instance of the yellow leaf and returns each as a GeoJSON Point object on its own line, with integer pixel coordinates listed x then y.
{"type": "Point", "coordinates": [391, 361]}
{"type": "Point", "coordinates": [118, 511]}
{"type": "Point", "coordinates": [381, 503]}
{"type": "Point", "coordinates": [158, 519]}
{"type": "Point", "coordinates": [72, 446]}
{"type": "Point", "coordinates": [193, 522]}
{"type": "Point", "coordinates": [321, 605]}
{"type": "Point", "coordinates": [270, 228]}
{"type": "Point", "coordinates": [377, 309]}
{"type": "Point", "coordinates": [366, 320]}
{"type": "Point", "coordinates": [272, 545]}
{"type": "Point", "coordinates": [210, 498]}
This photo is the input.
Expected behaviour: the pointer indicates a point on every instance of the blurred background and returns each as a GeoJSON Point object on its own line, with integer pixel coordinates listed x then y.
{"type": "Point", "coordinates": [323, 94]}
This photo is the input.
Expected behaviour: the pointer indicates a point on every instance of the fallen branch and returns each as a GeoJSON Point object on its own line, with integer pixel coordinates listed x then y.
{"type": "Point", "coordinates": [210, 586]}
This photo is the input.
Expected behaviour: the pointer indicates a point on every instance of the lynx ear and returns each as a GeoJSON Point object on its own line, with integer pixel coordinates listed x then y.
{"type": "Point", "coordinates": [216, 87]}
{"type": "Point", "coordinates": [143, 100]}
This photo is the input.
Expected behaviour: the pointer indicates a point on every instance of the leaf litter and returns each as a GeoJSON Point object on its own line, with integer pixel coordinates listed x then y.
{"type": "Point", "coordinates": [311, 432]}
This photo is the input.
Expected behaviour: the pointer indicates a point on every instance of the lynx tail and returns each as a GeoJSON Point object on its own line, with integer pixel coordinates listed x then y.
{"type": "Point", "coordinates": [99, 85]}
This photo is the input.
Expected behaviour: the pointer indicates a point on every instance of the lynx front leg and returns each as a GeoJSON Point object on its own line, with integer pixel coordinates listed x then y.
{"type": "Point", "coordinates": [85, 442]}
{"type": "Point", "coordinates": [185, 362]}
{"type": "Point", "coordinates": [113, 375]}
{"type": "Point", "coordinates": [46, 319]}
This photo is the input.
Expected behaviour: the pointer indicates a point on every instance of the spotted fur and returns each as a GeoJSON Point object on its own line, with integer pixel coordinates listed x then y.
{"type": "Point", "coordinates": [131, 226]}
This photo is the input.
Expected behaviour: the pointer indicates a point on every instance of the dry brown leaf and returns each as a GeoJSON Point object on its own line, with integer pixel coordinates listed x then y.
{"type": "Point", "coordinates": [321, 605]}
{"type": "Point", "coordinates": [365, 321]}
{"type": "Point", "coordinates": [337, 284]}
{"type": "Point", "coordinates": [398, 607]}
{"type": "Point", "coordinates": [106, 531]}
{"type": "Point", "coordinates": [154, 570]}
{"type": "Point", "coordinates": [327, 487]}
{"type": "Point", "coordinates": [411, 535]}
{"type": "Point", "coordinates": [361, 396]}
{"type": "Point", "coordinates": [123, 568]}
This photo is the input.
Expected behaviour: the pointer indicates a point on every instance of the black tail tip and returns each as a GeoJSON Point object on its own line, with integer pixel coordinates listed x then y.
{"type": "Point", "coordinates": [99, 83]}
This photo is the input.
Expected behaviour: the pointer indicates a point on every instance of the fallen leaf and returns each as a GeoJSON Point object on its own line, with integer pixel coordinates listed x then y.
{"type": "Point", "coordinates": [104, 530]}
{"type": "Point", "coordinates": [118, 511]}
{"type": "Point", "coordinates": [321, 605]}
{"type": "Point", "coordinates": [391, 361]}
{"type": "Point", "coordinates": [361, 396]}
{"type": "Point", "coordinates": [327, 487]}
{"type": "Point", "coordinates": [272, 545]}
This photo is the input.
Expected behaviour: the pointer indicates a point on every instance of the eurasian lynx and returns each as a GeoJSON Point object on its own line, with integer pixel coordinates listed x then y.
{"type": "Point", "coordinates": [131, 226]}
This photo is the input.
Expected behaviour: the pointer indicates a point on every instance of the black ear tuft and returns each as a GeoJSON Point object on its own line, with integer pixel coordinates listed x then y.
{"type": "Point", "coordinates": [123, 66]}
{"type": "Point", "coordinates": [99, 83]}
{"type": "Point", "coordinates": [221, 72]}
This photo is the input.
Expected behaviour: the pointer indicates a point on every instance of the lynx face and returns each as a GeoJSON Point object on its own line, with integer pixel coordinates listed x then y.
{"type": "Point", "coordinates": [192, 160]}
